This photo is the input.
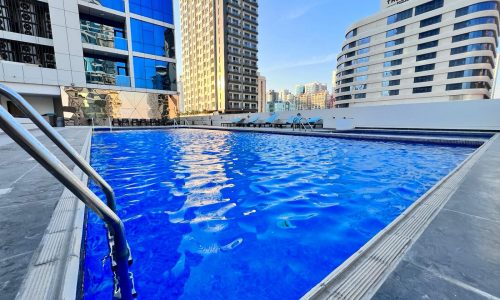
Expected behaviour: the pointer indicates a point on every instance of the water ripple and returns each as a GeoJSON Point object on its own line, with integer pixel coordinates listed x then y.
{"type": "Point", "coordinates": [220, 215]}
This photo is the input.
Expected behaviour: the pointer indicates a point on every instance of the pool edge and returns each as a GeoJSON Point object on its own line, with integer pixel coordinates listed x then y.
{"type": "Point", "coordinates": [54, 269]}
{"type": "Point", "coordinates": [362, 274]}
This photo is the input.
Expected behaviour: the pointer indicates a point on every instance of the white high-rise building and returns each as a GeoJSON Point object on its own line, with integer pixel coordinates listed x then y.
{"type": "Point", "coordinates": [420, 51]}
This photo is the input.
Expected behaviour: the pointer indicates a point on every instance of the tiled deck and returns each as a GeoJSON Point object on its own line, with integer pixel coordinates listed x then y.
{"type": "Point", "coordinates": [28, 195]}
{"type": "Point", "coordinates": [458, 255]}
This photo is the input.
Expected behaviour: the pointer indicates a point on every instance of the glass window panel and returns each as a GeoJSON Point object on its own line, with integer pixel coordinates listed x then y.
{"type": "Point", "coordinates": [152, 39]}
{"type": "Point", "coordinates": [154, 74]}
{"type": "Point", "coordinates": [161, 10]}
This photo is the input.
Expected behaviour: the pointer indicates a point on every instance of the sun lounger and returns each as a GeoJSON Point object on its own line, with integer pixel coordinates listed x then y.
{"type": "Point", "coordinates": [315, 121]}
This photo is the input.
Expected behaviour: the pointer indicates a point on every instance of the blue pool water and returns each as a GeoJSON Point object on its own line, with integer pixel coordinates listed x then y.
{"type": "Point", "coordinates": [224, 215]}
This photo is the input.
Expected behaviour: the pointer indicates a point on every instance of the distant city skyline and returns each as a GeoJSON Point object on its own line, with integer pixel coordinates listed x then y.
{"type": "Point", "coordinates": [319, 26]}
{"type": "Point", "coordinates": [299, 41]}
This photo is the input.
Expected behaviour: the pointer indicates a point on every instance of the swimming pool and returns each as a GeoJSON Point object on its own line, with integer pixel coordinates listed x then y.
{"type": "Point", "coordinates": [227, 215]}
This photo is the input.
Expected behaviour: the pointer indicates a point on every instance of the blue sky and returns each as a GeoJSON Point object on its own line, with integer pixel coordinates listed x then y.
{"type": "Point", "coordinates": [299, 39]}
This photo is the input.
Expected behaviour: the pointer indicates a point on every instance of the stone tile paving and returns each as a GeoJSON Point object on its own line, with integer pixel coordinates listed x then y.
{"type": "Point", "coordinates": [458, 255]}
{"type": "Point", "coordinates": [28, 196]}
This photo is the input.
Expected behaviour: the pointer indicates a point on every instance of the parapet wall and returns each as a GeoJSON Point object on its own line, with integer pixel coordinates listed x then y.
{"type": "Point", "coordinates": [450, 115]}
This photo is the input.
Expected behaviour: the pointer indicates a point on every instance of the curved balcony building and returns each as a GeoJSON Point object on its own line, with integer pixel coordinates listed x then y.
{"type": "Point", "coordinates": [420, 51]}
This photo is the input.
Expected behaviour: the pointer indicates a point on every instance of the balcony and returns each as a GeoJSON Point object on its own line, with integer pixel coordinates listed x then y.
{"type": "Point", "coordinates": [118, 5]}
{"type": "Point", "coordinates": [104, 40]}
{"type": "Point", "coordinates": [102, 78]}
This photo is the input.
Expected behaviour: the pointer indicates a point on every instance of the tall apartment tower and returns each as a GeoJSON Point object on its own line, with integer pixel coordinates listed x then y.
{"type": "Point", "coordinates": [420, 51]}
{"type": "Point", "coordinates": [89, 59]}
{"type": "Point", "coordinates": [219, 55]}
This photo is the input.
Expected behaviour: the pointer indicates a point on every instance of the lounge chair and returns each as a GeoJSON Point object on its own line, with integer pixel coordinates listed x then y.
{"type": "Point", "coordinates": [254, 121]}
{"type": "Point", "coordinates": [271, 120]}
{"type": "Point", "coordinates": [116, 122]}
{"type": "Point", "coordinates": [250, 121]}
{"type": "Point", "coordinates": [232, 122]}
{"type": "Point", "coordinates": [315, 121]}
{"type": "Point", "coordinates": [125, 122]}
{"type": "Point", "coordinates": [293, 121]}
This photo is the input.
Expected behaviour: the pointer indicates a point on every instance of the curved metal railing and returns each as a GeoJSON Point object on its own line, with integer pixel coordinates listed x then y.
{"type": "Point", "coordinates": [119, 245]}
{"type": "Point", "coordinates": [39, 121]}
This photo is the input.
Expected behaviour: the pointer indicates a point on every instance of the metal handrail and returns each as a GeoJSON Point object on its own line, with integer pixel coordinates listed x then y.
{"type": "Point", "coordinates": [65, 147]}
{"type": "Point", "coordinates": [50, 162]}
{"type": "Point", "coordinates": [304, 124]}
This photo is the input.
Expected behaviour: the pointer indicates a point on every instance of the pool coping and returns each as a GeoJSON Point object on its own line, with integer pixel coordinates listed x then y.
{"type": "Point", "coordinates": [362, 274]}
{"type": "Point", "coordinates": [456, 141]}
{"type": "Point", "coordinates": [54, 269]}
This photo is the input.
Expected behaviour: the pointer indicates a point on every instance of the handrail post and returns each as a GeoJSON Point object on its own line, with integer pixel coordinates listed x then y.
{"type": "Point", "coordinates": [45, 127]}
{"type": "Point", "coordinates": [50, 162]}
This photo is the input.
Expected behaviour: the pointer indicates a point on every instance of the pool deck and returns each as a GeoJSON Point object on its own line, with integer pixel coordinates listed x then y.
{"type": "Point", "coordinates": [28, 196]}
{"type": "Point", "coordinates": [455, 255]}
{"type": "Point", "coordinates": [458, 254]}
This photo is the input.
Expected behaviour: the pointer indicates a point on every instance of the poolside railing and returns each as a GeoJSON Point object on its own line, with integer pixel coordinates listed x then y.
{"type": "Point", "coordinates": [118, 244]}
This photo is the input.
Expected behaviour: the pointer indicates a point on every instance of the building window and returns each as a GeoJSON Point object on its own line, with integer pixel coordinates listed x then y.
{"type": "Point", "coordinates": [472, 60]}
{"type": "Point", "coordinates": [154, 74]}
{"type": "Point", "coordinates": [26, 17]}
{"type": "Point", "coordinates": [360, 96]}
{"type": "Point", "coordinates": [359, 87]}
{"type": "Point", "coordinates": [161, 10]}
{"type": "Point", "coordinates": [400, 16]}
{"type": "Point", "coordinates": [430, 21]}
{"type": "Point", "coordinates": [395, 31]}
{"type": "Point", "coordinates": [391, 82]}
{"type": "Point", "coordinates": [42, 56]}
{"type": "Point", "coordinates": [393, 52]}
{"type": "Point", "coordinates": [395, 62]}
{"type": "Point", "coordinates": [390, 93]}
{"type": "Point", "coordinates": [467, 85]}
{"type": "Point", "coordinates": [361, 60]}
{"type": "Point", "coordinates": [363, 41]}
{"type": "Point", "coordinates": [427, 45]}
{"type": "Point", "coordinates": [489, 5]}
{"type": "Point", "coordinates": [473, 47]}
{"type": "Point", "coordinates": [392, 73]}
{"type": "Point", "coordinates": [470, 73]}
{"type": "Point", "coordinates": [152, 39]}
{"type": "Point", "coordinates": [422, 89]}
{"type": "Point", "coordinates": [361, 69]}
{"type": "Point", "coordinates": [394, 42]}
{"type": "Point", "coordinates": [361, 78]}
{"type": "Point", "coordinates": [352, 33]}
{"type": "Point", "coordinates": [424, 68]}
{"type": "Point", "coordinates": [429, 6]}
{"type": "Point", "coordinates": [428, 33]}
{"type": "Point", "coordinates": [474, 35]}
{"type": "Point", "coordinates": [345, 97]}
{"type": "Point", "coordinates": [363, 50]}
{"type": "Point", "coordinates": [423, 79]}
{"type": "Point", "coordinates": [474, 22]}
{"type": "Point", "coordinates": [106, 70]}
{"type": "Point", "coordinates": [426, 56]}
